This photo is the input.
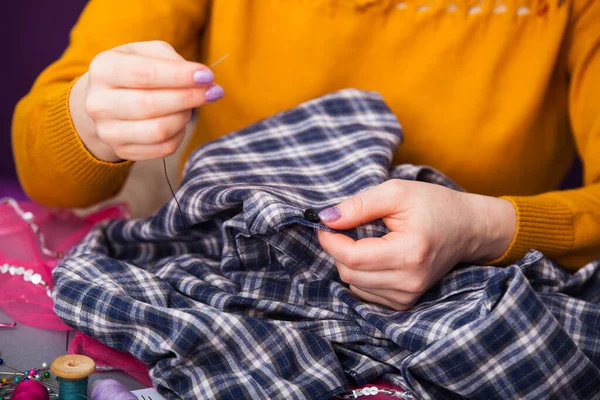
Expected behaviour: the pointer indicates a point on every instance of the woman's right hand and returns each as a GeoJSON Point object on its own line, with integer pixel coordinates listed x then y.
{"type": "Point", "coordinates": [136, 99]}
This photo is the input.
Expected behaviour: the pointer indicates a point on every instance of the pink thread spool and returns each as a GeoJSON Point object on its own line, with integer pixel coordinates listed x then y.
{"type": "Point", "coordinates": [30, 390]}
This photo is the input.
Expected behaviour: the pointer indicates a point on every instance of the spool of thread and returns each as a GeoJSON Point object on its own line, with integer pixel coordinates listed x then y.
{"type": "Point", "coordinates": [73, 371]}
{"type": "Point", "coordinates": [30, 390]}
{"type": "Point", "coordinates": [110, 389]}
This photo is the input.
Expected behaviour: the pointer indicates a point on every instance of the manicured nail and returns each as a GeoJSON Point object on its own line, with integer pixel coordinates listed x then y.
{"type": "Point", "coordinates": [330, 214]}
{"type": "Point", "coordinates": [204, 76]}
{"type": "Point", "coordinates": [214, 93]}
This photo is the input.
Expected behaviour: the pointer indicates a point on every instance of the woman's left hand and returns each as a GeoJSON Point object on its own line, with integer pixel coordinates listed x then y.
{"type": "Point", "coordinates": [432, 228]}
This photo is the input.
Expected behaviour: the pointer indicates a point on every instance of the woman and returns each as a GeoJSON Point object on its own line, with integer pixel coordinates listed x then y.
{"type": "Point", "coordinates": [497, 95]}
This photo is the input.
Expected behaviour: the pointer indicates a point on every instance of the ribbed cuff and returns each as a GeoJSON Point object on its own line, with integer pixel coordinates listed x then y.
{"type": "Point", "coordinates": [70, 152]}
{"type": "Point", "coordinates": [541, 225]}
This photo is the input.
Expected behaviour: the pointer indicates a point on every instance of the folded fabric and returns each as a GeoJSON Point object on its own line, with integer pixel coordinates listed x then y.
{"type": "Point", "coordinates": [234, 298]}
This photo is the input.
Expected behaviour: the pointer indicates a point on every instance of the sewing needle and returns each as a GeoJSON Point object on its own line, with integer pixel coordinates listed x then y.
{"type": "Point", "coordinates": [219, 61]}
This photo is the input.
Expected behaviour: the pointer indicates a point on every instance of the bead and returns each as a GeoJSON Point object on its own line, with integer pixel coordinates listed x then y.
{"type": "Point", "coordinates": [31, 372]}
{"type": "Point", "coordinates": [1, 397]}
{"type": "Point", "coordinates": [44, 365]}
{"type": "Point", "coordinates": [26, 372]}
{"type": "Point", "coordinates": [311, 215]}
{"type": "Point", "coordinates": [46, 374]}
{"type": "Point", "coordinates": [27, 275]}
{"type": "Point", "coordinates": [17, 379]}
{"type": "Point", "coordinates": [37, 377]}
{"type": "Point", "coordinates": [26, 379]}
{"type": "Point", "coordinates": [36, 278]}
{"type": "Point", "coordinates": [5, 380]}
{"type": "Point", "coordinates": [1, 361]}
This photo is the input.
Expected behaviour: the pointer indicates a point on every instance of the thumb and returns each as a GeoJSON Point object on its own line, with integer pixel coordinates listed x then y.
{"type": "Point", "coordinates": [377, 202]}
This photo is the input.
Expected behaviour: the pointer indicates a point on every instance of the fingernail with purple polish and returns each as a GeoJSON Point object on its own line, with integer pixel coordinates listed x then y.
{"type": "Point", "coordinates": [204, 76]}
{"type": "Point", "coordinates": [330, 214]}
{"type": "Point", "coordinates": [214, 93]}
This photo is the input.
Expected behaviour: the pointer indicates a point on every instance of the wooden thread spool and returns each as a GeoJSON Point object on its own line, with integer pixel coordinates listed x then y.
{"type": "Point", "coordinates": [73, 371]}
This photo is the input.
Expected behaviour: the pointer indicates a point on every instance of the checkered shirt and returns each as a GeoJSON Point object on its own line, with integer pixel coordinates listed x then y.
{"type": "Point", "coordinates": [234, 298]}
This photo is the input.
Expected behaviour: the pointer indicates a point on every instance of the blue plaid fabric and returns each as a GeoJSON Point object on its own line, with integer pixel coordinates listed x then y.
{"type": "Point", "coordinates": [234, 298]}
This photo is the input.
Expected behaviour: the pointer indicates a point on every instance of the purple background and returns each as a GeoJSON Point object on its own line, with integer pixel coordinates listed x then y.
{"type": "Point", "coordinates": [34, 33]}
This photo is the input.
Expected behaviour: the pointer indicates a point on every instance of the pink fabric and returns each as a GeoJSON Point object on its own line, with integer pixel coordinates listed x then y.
{"type": "Point", "coordinates": [20, 246]}
{"type": "Point", "coordinates": [104, 355]}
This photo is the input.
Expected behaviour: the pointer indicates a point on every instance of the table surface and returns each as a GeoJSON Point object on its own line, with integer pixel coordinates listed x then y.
{"type": "Point", "coordinates": [25, 347]}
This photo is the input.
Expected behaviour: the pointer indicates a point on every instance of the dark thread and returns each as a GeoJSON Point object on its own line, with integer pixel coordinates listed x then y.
{"type": "Point", "coordinates": [172, 191]}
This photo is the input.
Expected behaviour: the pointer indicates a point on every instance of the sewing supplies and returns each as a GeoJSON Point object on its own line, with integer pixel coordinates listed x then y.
{"type": "Point", "coordinates": [72, 371]}
{"type": "Point", "coordinates": [10, 381]}
{"type": "Point", "coordinates": [4, 325]}
{"type": "Point", "coordinates": [219, 61]}
{"type": "Point", "coordinates": [110, 389]}
{"type": "Point", "coordinates": [10, 366]}
{"type": "Point", "coordinates": [30, 390]}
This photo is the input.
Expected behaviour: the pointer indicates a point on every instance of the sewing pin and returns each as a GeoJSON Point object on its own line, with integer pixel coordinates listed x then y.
{"type": "Point", "coordinates": [20, 371]}
{"type": "Point", "coordinates": [7, 324]}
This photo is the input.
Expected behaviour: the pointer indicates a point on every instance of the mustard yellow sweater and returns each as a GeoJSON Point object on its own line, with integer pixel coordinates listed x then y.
{"type": "Point", "coordinates": [496, 94]}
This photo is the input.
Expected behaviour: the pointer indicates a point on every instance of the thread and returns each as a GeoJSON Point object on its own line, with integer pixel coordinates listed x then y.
{"type": "Point", "coordinates": [72, 371]}
{"type": "Point", "coordinates": [172, 191]}
{"type": "Point", "coordinates": [72, 389]}
{"type": "Point", "coordinates": [110, 389]}
{"type": "Point", "coordinates": [30, 390]}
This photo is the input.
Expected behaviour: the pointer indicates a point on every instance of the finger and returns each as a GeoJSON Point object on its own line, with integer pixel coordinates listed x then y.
{"type": "Point", "coordinates": [140, 152]}
{"type": "Point", "coordinates": [123, 70]}
{"type": "Point", "coordinates": [391, 279]}
{"type": "Point", "coordinates": [130, 104]}
{"type": "Point", "coordinates": [143, 132]}
{"type": "Point", "coordinates": [379, 297]}
{"type": "Point", "coordinates": [152, 48]}
{"type": "Point", "coordinates": [384, 279]}
{"type": "Point", "coordinates": [369, 254]}
{"type": "Point", "coordinates": [377, 202]}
